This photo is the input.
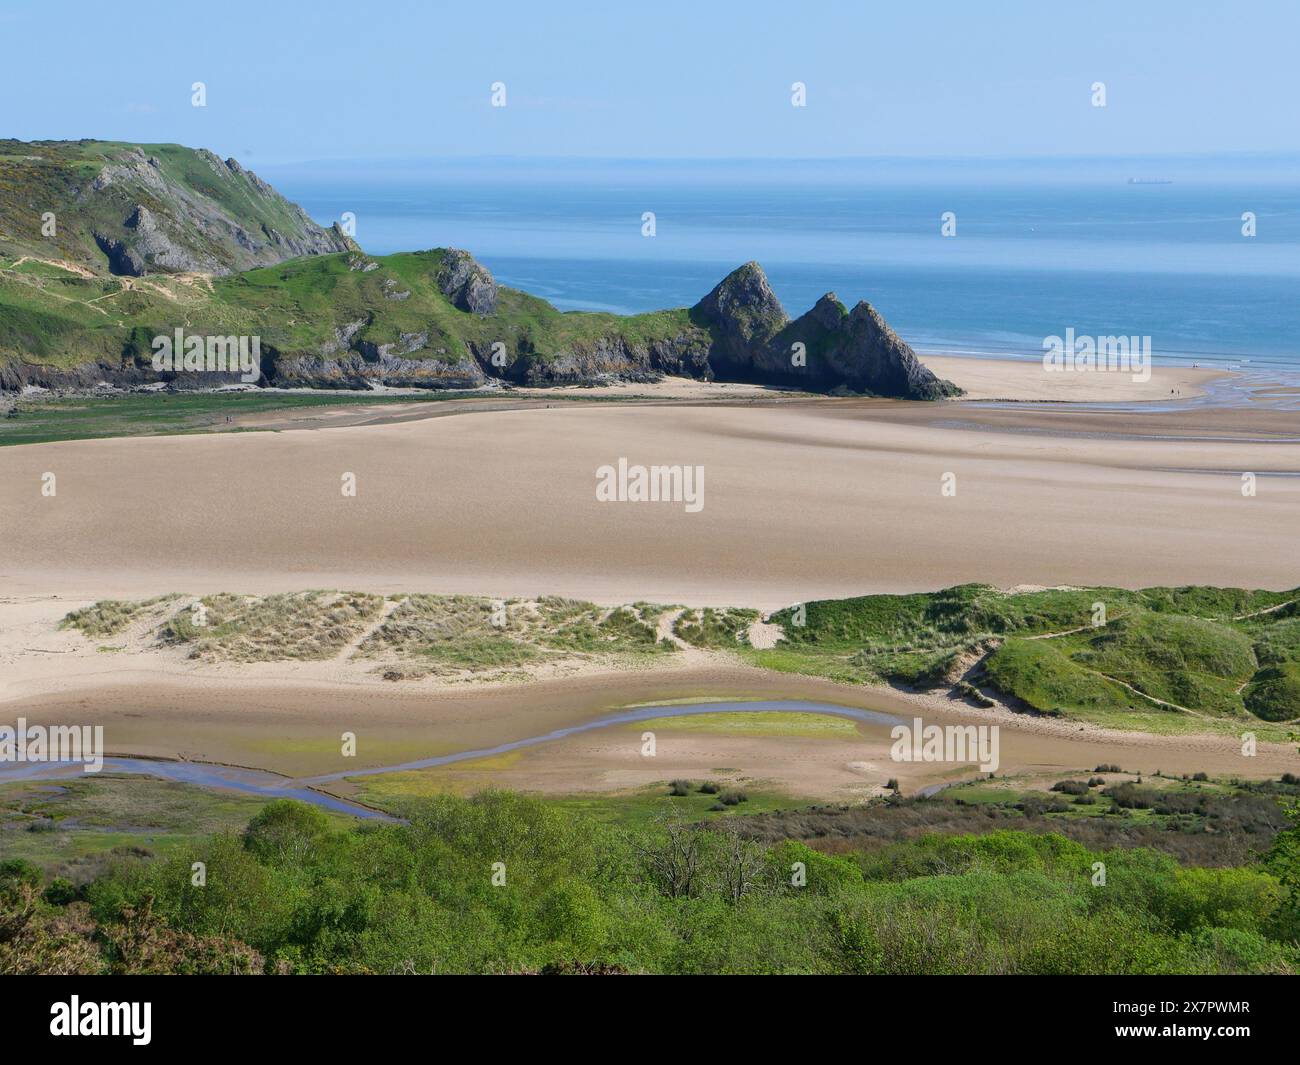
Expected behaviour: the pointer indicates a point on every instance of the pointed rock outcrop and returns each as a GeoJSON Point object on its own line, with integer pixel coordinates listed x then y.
{"type": "Point", "coordinates": [744, 315]}
{"type": "Point", "coordinates": [829, 347]}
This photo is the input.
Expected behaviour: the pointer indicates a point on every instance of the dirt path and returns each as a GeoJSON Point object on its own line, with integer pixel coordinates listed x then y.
{"type": "Point", "coordinates": [690, 655]}
{"type": "Point", "coordinates": [384, 614]}
{"type": "Point", "coordinates": [1266, 610]}
{"type": "Point", "coordinates": [61, 264]}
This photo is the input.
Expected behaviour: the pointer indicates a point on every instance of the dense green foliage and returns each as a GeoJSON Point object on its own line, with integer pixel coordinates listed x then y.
{"type": "Point", "coordinates": [501, 883]}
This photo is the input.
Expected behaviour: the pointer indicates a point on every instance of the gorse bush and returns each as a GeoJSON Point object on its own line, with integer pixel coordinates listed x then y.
{"type": "Point", "coordinates": [504, 883]}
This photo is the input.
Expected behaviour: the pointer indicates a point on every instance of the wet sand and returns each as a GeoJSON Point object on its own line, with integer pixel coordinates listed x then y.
{"type": "Point", "coordinates": [1026, 379]}
{"type": "Point", "coordinates": [297, 730]}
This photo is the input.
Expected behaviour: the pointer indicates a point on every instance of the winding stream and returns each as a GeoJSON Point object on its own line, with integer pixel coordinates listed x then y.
{"type": "Point", "coordinates": [275, 786]}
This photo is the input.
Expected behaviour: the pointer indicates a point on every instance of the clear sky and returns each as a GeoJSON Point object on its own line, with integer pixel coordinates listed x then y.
{"type": "Point", "coordinates": [289, 81]}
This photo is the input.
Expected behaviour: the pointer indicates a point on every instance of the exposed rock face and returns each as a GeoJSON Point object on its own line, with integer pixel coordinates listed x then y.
{"type": "Point", "coordinates": [151, 221]}
{"type": "Point", "coordinates": [367, 364]}
{"type": "Point", "coordinates": [467, 283]}
{"type": "Point", "coordinates": [357, 371]}
{"type": "Point", "coordinates": [611, 359]}
{"type": "Point", "coordinates": [168, 209]}
{"type": "Point", "coordinates": [122, 259]}
{"type": "Point", "coordinates": [865, 355]}
{"type": "Point", "coordinates": [745, 315]}
{"type": "Point", "coordinates": [15, 376]}
{"type": "Point", "coordinates": [827, 348]}
{"type": "Point", "coordinates": [738, 332]}
{"type": "Point", "coordinates": [152, 247]}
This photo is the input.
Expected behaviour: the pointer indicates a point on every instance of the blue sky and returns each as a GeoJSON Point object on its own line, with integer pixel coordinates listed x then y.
{"type": "Point", "coordinates": [398, 79]}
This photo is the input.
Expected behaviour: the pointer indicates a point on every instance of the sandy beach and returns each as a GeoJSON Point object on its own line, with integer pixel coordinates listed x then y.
{"type": "Point", "coordinates": [803, 498]}
{"type": "Point", "coordinates": [1025, 380]}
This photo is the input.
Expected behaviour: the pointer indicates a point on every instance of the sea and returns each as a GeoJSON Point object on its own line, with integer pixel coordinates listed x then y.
{"type": "Point", "coordinates": [967, 257]}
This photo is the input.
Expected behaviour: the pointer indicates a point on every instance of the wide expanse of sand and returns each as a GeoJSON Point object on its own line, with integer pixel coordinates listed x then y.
{"type": "Point", "coordinates": [802, 500]}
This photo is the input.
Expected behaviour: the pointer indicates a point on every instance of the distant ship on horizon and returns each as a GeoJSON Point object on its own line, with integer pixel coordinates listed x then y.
{"type": "Point", "coordinates": [1150, 181]}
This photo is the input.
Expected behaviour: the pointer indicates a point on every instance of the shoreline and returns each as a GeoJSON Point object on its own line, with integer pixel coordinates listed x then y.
{"type": "Point", "coordinates": [1027, 380]}
{"type": "Point", "coordinates": [983, 377]}
{"type": "Point", "coordinates": [406, 727]}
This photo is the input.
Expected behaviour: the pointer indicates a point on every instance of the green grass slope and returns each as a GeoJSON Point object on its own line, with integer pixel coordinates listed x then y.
{"type": "Point", "coordinates": [300, 309]}
{"type": "Point", "coordinates": [219, 215]}
{"type": "Point", "coordinates": [1222, 654]}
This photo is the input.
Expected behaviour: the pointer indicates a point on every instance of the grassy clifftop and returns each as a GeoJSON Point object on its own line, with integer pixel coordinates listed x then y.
{"type": "Point", "coordinates": [332, 320]}
{"type": "Point", "coordinates": [105, 207]}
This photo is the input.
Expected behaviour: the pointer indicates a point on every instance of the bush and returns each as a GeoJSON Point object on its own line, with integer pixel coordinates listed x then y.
{"type": "Point", "coordinates": [1231, 950]}
{"type": "Point", "coordinates": [286, 830]}
{"type": "Point", "coordinates": [671, 896]}
{"type": "Point", "coordinates": [15, 872]}
{"type": "Point", "coordinates": [1036, 805]}
{"type": "Point", "coordinates": [1243, 899]}
{"type": "Point", "coordinates": [1130, 796]}
{"type": "Point", "coordinates": [1071, 787]}
{"type": "Point", "coordinates": [60, 892]}
{"type": "Point", "coordinates": [823, 873]}
{"type": "Point", "coordinates": [1274, 692]}
{"type": "Point", "coordinates": [680, 787]}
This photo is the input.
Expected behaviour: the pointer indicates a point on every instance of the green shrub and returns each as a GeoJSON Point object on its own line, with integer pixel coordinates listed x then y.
{"type": "Point", "coordinates": [1274, 693]}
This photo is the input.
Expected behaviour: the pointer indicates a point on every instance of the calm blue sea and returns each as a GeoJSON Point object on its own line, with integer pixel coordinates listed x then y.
{"type": "Point", "coordinates": [1039, 247]}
